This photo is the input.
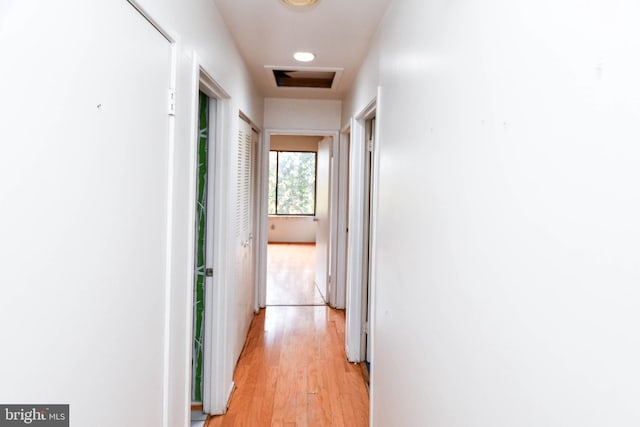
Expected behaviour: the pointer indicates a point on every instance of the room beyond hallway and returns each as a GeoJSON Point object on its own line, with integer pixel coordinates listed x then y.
{"type": "Point", "coordinates": [291, 272]}
{"type": "Point", "coordinates": [293, 372]}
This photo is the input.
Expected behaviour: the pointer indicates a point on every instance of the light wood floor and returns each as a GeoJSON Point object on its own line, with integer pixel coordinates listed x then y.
{"type": "Point", "coordinates": [291, 275]}
{"type": "Point", "coordinates": [293, 372]}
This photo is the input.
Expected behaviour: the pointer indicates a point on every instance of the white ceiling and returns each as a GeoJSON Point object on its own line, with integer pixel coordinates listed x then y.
{"type": "Point", "coordinates": [267, 33]}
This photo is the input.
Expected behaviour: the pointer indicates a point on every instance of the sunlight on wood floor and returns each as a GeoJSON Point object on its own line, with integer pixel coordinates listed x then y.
{"type": "Point", "coordinates": [291, 274]}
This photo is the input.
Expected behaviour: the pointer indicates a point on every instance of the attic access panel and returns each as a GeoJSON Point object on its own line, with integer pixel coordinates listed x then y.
{"type": "Point", "coordinates": [304, 78]}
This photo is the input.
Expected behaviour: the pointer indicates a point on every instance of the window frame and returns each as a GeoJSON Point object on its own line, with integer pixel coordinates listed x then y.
{"type": "Point", "coordinates": [315, 182]}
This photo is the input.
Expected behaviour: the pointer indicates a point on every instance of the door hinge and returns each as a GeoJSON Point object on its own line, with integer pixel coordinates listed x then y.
{"type": "Point", "coordinates": [172, 102]}
{"type": "Point", "coordinates": [370, 145]}
{"type": "Point", "coordinates": [365, 327]}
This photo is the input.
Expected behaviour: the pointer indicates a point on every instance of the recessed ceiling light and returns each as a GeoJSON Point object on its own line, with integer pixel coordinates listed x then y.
{"type": "Point", "coordinates": [300, 3]}
{"type": "Point", "coordinates": [304, 56]}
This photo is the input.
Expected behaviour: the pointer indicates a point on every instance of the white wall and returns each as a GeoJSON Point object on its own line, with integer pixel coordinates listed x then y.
{"type": "Point", "coordinates": [506, 284]}
{"type": "Point", "coordinates": [280, 113]}
{"type": "Point", "coordinates": [291, 229]}
{"type": "Point", "coordinates": [294, 142]}
{"type": "Point", "coordinates": [59, 294]}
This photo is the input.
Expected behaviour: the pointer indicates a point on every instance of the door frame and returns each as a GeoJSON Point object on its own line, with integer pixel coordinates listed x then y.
{"type": "Point", "coordinates": [215, 391]}
{"type": "Point", "coordinates": [354, 325]}
{"type": "Point", "coordinates": [336, 287]}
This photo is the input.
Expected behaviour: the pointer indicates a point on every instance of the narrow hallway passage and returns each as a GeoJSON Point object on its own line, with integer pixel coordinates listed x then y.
{"type": "Point", "coordinates": [293, 370]}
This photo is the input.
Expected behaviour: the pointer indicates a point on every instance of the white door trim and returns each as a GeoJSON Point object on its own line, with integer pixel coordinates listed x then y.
{"type": "Point", "coordinates": [355, 253]}
{"type": "Point", "coordinates": [215, 390]}
{"type": "Point", "coordinates": [336, 287]}
{"type": "Point", "coordinates": [373, 275]}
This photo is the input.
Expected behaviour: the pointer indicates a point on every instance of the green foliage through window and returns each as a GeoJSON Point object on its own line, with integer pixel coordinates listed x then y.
{"type": "Point", "coordinates": [292, 183]}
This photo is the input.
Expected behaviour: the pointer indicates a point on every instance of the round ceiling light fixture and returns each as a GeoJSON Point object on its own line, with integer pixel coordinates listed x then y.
{"type": "Point", "coordinates": [304, 56]}
{"type": "Point", "coordinates": [300, 3]}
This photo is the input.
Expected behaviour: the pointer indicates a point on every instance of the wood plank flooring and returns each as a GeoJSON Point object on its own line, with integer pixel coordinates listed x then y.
{"type": "Point", "coordinates": [291, 275]}
{"type": "Point", "coordinates": [293, 371]}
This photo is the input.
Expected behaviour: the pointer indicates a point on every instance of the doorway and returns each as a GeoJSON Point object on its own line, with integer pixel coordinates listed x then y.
{"type": "Point", "coordinates": [361, 235]}
{"type": "Point", "coordinates": [208, 392]}
{"type": "Point", "coordinates": [367, 239]}
{"type": "Point", "coordinates": [299, 219]}
{"type": "Point", "coordinates": [202, 269]}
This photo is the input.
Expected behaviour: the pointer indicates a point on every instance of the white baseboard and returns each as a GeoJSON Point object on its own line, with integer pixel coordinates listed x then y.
{"type": "Point", "coordinates": [232, 388]}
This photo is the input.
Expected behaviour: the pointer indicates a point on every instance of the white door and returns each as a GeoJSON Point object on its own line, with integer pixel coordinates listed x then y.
{"type": "Point", "coordinates": [323, 181]}
{"type": "Point", "coordinates": [247, 139]}
{"type": "Point", "coordinates": [85, 161]}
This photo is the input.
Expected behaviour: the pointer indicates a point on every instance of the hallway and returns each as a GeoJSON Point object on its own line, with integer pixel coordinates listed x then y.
{"type": "Point", "coordinates": [293, 370]}
{"type": "Point", "coordinates": [483, 231]}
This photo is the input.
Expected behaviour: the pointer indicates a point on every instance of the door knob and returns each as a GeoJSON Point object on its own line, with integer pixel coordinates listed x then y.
{"type": "Point", "coordinates": [208, 272]}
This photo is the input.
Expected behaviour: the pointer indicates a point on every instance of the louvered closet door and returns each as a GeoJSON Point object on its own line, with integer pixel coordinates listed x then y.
{"type": "Point", "coordinates": [244, 213]}
{"type": "Point", "coordinates": [244, 183]}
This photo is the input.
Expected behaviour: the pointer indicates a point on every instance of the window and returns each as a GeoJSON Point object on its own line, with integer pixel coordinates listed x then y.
{"type": "Point", "coordinates": [292, 183]}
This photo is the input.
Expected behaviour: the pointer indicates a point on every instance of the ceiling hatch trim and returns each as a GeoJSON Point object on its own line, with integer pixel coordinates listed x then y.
{"type": "Point", "coordinates": [309, 78]}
